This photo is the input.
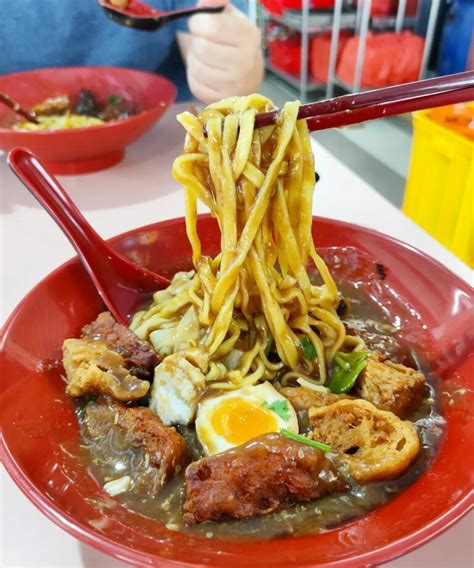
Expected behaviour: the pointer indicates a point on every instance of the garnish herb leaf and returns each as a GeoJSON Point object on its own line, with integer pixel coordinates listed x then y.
{"type": "Point", "coordinates": [81, 412]}
{"type": "Point", "coordinates": [308, 349]}
{"type": "Point", "coordinates": [347, 367]}
{"type": "Point", "coordinates": [114, 99]}
{"type": "Point", "coordinates": [279, 407]}
{"type": "Point", "coordinates": [305, 440]}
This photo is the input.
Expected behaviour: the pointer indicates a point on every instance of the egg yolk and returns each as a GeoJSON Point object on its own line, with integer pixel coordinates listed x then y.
{"type": "Point", "coordinates": [238, 421]}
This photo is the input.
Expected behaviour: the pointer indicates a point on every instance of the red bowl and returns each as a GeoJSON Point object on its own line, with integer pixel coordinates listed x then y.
{"type": "Point", "coordinates": [40, 436]}
{"type": "Point", "coordinates": [80, 150]}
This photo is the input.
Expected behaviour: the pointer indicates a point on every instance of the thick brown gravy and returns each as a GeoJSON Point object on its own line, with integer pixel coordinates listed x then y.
{"type": "Point", "coordinates": [380, 327]}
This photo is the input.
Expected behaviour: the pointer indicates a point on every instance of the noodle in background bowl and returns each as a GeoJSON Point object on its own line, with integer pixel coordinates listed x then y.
{"type": "Point", "coordinates": [81, 150]}
{"type": "Point", "coordinates": [40, 436]}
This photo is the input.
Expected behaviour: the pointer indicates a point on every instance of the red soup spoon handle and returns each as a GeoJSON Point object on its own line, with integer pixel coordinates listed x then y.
{"type": "Point", "coordinates": [123, 285]}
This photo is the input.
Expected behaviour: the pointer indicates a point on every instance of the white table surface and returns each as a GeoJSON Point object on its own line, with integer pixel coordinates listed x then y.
{"type": "Point", "coordinates": [136, 192]}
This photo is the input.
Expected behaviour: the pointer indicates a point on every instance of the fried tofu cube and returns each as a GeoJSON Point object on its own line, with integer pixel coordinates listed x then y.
{"type": "Point", "coordinates": [176, 390]}
{"type": "Point", "coordinates": [390, 386]}
{"type": "Point", "coordinates": [303, 398]}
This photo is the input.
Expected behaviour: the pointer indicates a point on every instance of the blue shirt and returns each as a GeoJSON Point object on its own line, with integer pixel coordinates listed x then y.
{"type": "Point", "coordinates": [61, 33]}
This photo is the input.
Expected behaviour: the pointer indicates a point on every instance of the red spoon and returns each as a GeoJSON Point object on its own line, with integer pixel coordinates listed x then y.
{"type": "Point", "coordinates": [123, 285]}
{"type": "Point", "coordinates": [140, 16]}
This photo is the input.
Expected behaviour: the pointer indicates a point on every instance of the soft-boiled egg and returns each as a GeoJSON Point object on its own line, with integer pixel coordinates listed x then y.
{"type": "Point", "coordinates": [231, 419]}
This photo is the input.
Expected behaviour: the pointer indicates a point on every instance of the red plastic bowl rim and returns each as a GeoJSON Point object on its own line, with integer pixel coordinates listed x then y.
{"type": "Point", "coordinates": [171, 96]}
{"type": "Point", "coordinates": [384, 554]}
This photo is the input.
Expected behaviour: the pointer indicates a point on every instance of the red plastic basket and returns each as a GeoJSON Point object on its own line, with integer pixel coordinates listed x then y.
{"type": "Point", "coordinates": [277, 7]}
{"type": "Point", "coordinates": [285, 54]}
{"type": "Point", "coordinates": [319, 54]}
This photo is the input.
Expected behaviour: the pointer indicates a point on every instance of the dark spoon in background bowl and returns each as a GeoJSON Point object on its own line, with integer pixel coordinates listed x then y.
{"type": "Point", "coordinates": [140, 16]}
{"type": "Point", "coordinates": [28, 115]}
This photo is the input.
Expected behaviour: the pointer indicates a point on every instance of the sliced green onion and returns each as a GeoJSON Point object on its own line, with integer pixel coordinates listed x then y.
{"type": "Point", "coordinates": [81, 412]}
{"type": "Point", "coordinates": [341, 362]}
{"type": "Point", "coordinates": [305, 440]}
{"type": "Point", "coordinates": [308, 348]}
{"type": "Point", "coordinates": [347, 367]}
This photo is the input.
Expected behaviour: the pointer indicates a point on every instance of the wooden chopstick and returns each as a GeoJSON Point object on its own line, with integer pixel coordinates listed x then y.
{"type": "Point", "coordinates": [408, 97]}
{"type": "Point", "coordinates": [18, 109]}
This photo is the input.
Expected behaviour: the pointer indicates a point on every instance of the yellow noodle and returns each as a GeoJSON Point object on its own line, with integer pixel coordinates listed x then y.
{"type": "Point", "coordinates": [258, 184]}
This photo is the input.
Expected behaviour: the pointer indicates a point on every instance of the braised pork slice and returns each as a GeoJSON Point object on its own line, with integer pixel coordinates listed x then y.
{"type": "Point", "coordinates": [303, 398]}
{"type": "Point", "coordinates": [149, 452]}
{"type": "Point", "coordinates": [390, 386]}
{"type": "Point", "coordinates": [265, 474]}
{"type": "Point", "coordinates": [93, 369]}
{"type": "Point", "coordinates": [139, 357]}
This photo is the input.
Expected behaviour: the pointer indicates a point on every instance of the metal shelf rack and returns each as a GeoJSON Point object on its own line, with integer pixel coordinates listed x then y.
{"type": "Point", "coordinates": [309, 23]}
{"type": "Point", "coordinates": [294, 81]}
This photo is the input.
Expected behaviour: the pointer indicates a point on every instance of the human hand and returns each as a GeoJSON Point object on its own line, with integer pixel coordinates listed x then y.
{"type": "Point", "coordinates": [224, 57]}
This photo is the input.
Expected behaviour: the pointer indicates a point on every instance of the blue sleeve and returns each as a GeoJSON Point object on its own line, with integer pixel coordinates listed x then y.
{"type": "Point", "coordinates": [182, 25]}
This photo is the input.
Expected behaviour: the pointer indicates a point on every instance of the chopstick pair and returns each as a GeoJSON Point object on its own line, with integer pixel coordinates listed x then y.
{"type": "Point", "coordinates": [389, 101]}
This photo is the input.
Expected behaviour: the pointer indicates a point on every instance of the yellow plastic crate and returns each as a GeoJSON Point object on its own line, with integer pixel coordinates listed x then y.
{"type": "Point", "coordinates": [439, 194]}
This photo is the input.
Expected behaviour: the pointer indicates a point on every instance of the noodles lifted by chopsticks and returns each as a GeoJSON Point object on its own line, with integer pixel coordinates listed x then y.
{"type": "Point", "coordinates": [253, 309]}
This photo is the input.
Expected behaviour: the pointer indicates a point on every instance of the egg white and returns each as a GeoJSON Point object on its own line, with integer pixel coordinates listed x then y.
{"type": "Point", "coordinates": [212, 442]}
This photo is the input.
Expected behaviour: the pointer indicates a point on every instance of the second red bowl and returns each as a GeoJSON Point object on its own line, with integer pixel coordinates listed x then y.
{"type": "Point", "coordinates": [81, 150]}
